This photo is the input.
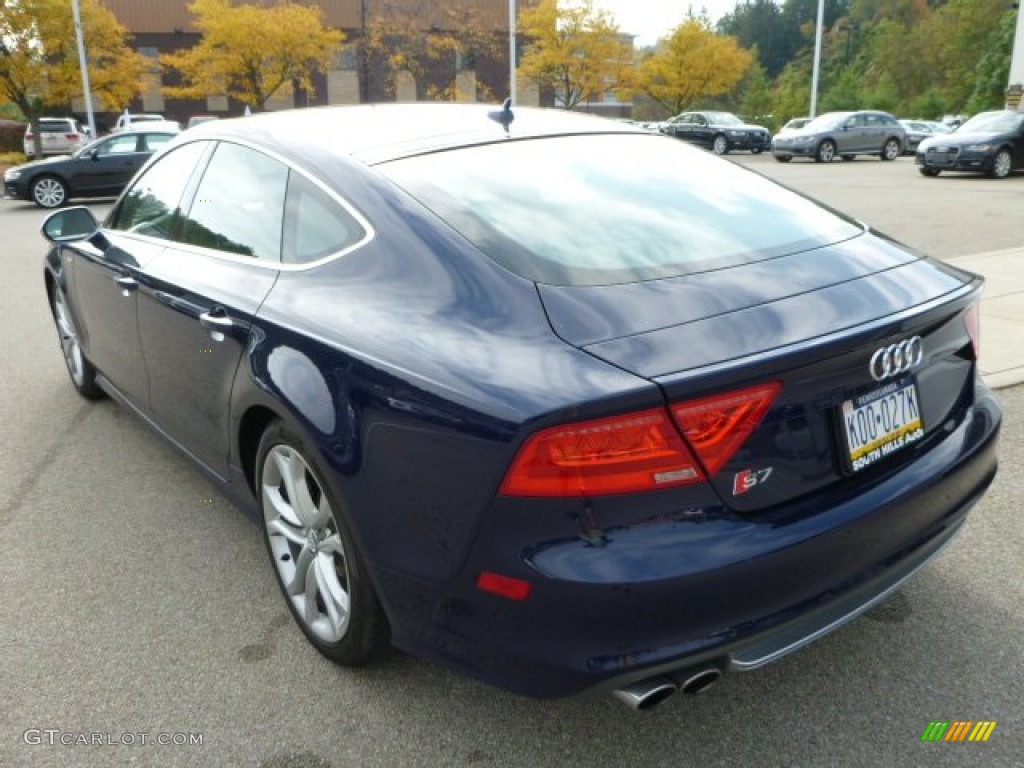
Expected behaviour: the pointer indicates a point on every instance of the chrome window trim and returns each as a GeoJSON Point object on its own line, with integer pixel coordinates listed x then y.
{"type": "Point", "coordinates": [369, 233]}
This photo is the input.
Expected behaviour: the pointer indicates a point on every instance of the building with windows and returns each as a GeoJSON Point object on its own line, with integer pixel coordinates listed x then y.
{"type": "Point", "coordinates": [476, 70]}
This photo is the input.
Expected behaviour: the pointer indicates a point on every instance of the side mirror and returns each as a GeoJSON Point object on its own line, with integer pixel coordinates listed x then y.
{"type": "Point", "coordinates": [69, 225]}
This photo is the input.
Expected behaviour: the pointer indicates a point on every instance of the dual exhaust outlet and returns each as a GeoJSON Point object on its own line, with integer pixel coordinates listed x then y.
{"type": "Point", "coordinates": [650, 692]}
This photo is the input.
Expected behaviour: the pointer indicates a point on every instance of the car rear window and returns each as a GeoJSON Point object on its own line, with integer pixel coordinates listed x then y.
{"type": "Point", "coordinates": [55, 126]}
{"type": "Point", "coordinates": [605, 209]}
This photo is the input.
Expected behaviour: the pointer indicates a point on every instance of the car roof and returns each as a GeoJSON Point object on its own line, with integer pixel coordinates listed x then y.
{"type": "Point", "coordinates": [378, 133]}
{"type": "Point", "coordinates": [150, 126]}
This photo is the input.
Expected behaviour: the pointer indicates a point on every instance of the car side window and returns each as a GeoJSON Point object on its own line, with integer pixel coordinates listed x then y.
{"type": "Point", "coordinates": [150, 206]}
{"type": "Point", "coordinates": [119, 145]}
{"type": "Point", "coordinates": [155, 141]}
{"type": "Point", "coordinates": [315, 225]}
{"type": "Point", "coordinates": [239, 204]}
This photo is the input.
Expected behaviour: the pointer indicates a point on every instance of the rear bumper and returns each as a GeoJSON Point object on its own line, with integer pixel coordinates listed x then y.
{"type": "Point", "coordinates": [746, 590]}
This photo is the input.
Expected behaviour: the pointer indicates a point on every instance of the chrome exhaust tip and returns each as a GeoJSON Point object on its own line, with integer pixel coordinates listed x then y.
{"type": "Point", "coordinates": [697, 680]}
{"type": "Point", "coordinates": [645, 694]}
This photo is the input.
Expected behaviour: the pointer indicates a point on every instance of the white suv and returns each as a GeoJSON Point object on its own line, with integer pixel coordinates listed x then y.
{"type": "Point", "coordinates": [61, 136]}
{"type": "Point", "coordinates": [126, 120]}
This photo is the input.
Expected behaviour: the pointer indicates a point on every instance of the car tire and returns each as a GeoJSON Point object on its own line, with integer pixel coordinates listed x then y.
{"type": "Point", "coordinates": [81, 371]}
{"type": "Point", "coordinates": [826, 152]}
{"type": "Point", "coordinates": [932, 172]}
{"type": "Point", "coordinates": [755, 150]}
{"type": "Point", "coordinates": [1002, 165]}
{"type": "Point", "coordinates": [720, 145]}
{"type": "Point", "coordinates": [891, 149]}
{"type": "Point", "coordinates": [49, 192]}
{"type": "Point", "coordinates": [782, 158]}
{"type": "Point", "coordinates": [316, 561]}
{"type": "Point", "coordinates": [849, 158]}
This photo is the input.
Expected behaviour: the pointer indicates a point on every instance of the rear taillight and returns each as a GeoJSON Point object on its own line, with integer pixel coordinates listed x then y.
{"type": "Point", "coordinates": [29, 136]}
{"type": "Point", "coordinates": [622, 454]}
{"type": "Point", "coordinates": [640, 451]}
{"type": "Point", "coordinates": [716, 426]}
{"type": "Point", "coordinates": [71, 136]}
{"type": "Point", "coordinates": [972, 320]}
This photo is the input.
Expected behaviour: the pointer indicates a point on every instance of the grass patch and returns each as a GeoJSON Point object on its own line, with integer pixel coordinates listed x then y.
{"type": "Point", "coordinates": [12, 158]}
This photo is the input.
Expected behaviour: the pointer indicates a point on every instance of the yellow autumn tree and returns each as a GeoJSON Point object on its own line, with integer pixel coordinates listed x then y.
{"type": "Point", "coordinates": [692, 62]}
{"type": "Point", "coordinates": [575, 50]}
{"type": "Point", "coordinates": [431, 41]}
{"type": "Point", "coordinates": [252, 53]}
{"type": "Point", "coordinates": [39, 67]}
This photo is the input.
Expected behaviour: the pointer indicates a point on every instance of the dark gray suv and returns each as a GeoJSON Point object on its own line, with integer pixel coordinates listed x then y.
{"type": "Point", "coordinates": [846, 134]}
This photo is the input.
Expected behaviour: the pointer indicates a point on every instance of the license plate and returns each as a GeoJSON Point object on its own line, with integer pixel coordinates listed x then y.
{"type": "Point", "coordinates": [881, 422]}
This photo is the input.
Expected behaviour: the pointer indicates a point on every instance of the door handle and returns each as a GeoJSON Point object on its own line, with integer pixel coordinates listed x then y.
{"type": "Point", "coordinates": [216, 321]}
{"type": "Point", "coordinates": [127, 284]}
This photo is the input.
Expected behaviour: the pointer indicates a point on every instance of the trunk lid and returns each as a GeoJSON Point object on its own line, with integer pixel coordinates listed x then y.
{"type": "Point", "coordinates": [813, 321]}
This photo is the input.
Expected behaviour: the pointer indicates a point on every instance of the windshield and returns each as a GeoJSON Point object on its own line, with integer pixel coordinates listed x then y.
{"type": "Point", "coordinates": [724, 118]}
{"type": "Point", "coordinates": [992, 122]}
{"type": "Point", "coordinates": [597, 210]}
{"type": "Point", "coordinates": [827, 121]}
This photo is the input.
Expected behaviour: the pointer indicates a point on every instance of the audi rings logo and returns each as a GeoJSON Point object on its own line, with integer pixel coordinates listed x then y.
{"type": "Point", "coordinates": [896, 358]}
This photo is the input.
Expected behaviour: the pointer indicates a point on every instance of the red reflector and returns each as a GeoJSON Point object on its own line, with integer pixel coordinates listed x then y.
{"type": "Point", "coordinates": [716, 426]}
{"type": "Point", "coordinates": [972, 319]}
{"type": "Point", "coordinates": [503, 586]}
{"type": "Point", "coordinates": [623, 454]}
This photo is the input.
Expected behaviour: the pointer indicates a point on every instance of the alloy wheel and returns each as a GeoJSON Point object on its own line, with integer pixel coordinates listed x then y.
{"type": "Point", "coordinates": [49, 192]}
{"type": "Point", "coordinates": [1003, 163]}
{"type": "Point", "coordinates": [305, 544]}
{"type": "Point", "coordinates": [68, 340]}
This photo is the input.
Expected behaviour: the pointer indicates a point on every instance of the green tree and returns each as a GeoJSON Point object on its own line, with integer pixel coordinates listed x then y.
{"type": "Point", "coordinates": [575, 50]}
{"type": "Point", "coordinates": [993, 70]}
{"type": "Point", "coordinates": [251, 52]}
{"type": "Point", "coordinates": [756, 102]}
{"type": "Point", "coordinates": [39, 68]}
{"type": "Point", "coordinates": [759, 23]}
{"type": "Point", "coordinates": [692, 63]}
{"type": "Point", "coordinates": [793, 90]}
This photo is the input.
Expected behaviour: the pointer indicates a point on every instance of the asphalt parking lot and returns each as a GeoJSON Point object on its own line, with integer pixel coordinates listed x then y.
{"type": "Point", "coordinates": [138, 606]}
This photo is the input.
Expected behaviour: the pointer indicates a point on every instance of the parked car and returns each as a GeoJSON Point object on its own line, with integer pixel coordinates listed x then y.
{"type": "Point", "coordinates": [558, 423]}
{"type": "Point", "coordinates": [126, 120]}
{"type": "Point", "coordinates": [60, 136]}
{"type": "Point", "coordinates": [100, 169]}
{"type": "Point", "coordinates": [720, 132]}
{"type": "Point", "coordinates": [990, 142]}
{"type": "Point", "coordinates": [917, 131]}
{"type": "Point", "coordinates": [794, 125]}
{"type": "Point", "coordinates": [843, 134]}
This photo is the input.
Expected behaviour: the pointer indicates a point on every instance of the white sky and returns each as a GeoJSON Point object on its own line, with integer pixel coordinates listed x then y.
{"type": "Point", "coordinates": [651, 19]}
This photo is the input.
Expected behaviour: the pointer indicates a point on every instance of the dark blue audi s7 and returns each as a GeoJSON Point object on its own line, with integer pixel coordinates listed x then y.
{"type": "Point", "coordinates": [559, 403]}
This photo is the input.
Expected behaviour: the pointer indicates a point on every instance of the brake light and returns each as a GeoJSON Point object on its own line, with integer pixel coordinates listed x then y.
{"type": "Point", "coordinates": [72, 136]}
{"type": "Point", "coordinates": [716, 426]}
{"type": "Point", "coordinates": [623, 454]}
{"type": "Point", "coordinates": [972, 320]}
{"type": "Point", "coordinates": [29, 136]}
{"type": "Point", "coordinates": [504, 586]}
